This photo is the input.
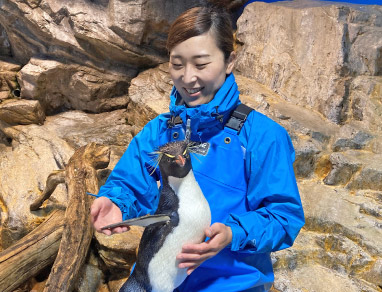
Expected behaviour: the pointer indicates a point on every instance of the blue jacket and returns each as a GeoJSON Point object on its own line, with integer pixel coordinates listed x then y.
{"type": "Point", "coordinates": [247, 178]}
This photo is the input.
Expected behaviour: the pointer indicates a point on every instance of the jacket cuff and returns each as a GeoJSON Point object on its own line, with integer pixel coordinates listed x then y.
{"type": "Point", "coordinates": [238, 236]}
{"type": "Point", "coordinates": [124, 209]}
{"type": "Point", "coordinates": [124, 205]}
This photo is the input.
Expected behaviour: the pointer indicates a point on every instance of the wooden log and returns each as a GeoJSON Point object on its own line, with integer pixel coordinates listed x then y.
{"type": "Point", "coordinates": [53, 180]}
{"type": "Point", "coordinates": [32, 253]}
{"type": "Point", "coordinates": [81, 177]}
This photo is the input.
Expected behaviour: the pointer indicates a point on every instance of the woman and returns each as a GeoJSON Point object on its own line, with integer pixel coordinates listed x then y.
{"type": "Point", "coordinates": [246, 176]}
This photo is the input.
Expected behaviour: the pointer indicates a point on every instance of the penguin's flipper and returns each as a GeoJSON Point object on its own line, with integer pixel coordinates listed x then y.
{"type": "Point", "coordinates": [143, 221]}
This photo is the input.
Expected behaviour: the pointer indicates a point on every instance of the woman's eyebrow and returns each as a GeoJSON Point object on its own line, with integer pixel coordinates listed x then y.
{"type": "Point", "coordinates": [193, 57]}
{"type": "Point", "coordinates": [201, 56]}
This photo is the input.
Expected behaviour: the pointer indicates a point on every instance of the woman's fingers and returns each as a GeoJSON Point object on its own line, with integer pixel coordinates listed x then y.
{"type": "Point", "coordinates": [104, 212]}
{"type": "Point", "coordinates": [193, 255]}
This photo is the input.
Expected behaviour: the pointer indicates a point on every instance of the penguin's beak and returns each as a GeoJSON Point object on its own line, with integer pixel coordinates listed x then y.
{"type": "Point", "coordinates": [181, 161]}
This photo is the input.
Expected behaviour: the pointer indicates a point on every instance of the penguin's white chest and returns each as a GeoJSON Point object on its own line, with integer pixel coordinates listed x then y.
{"type": "Point", "coordinates": [194, 217]}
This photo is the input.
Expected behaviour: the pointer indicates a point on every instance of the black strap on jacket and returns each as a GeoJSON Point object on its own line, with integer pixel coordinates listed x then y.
{"type": "Point", "coordinates": [238, 117]}
{"type": "Point", "coordinates": [173, 121]}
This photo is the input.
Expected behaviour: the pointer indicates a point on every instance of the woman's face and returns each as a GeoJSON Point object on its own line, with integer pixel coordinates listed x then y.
{"type": "Point", "coordinates": [198, 69]}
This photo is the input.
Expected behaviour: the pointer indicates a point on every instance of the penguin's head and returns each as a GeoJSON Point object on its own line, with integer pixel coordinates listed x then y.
{"type": "Point", "coordinates": [174, 159]}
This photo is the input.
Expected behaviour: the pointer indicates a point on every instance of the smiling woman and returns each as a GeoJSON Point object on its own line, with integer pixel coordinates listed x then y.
{"type": "Point", "coordinates": [200, 43]}
{"type": "Point", "coordinates": [198, 69]}
{"type": "Point", "coordinates": [246, 174]}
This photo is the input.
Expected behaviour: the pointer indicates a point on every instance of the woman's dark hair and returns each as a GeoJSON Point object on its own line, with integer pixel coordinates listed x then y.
{"type": "Point", "coordinates": [199, 20]}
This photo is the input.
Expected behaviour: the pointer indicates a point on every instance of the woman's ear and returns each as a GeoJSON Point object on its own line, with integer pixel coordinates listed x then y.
{"type": "Point", "coordinates": [230, 63]}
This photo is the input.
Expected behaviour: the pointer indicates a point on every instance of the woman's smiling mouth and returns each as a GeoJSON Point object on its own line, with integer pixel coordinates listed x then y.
{"type": "Point", "coordinates": [193, 90]}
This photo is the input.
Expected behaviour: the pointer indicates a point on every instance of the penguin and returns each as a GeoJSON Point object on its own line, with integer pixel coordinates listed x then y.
{"type": "Point", "coordinates": [183, 202]}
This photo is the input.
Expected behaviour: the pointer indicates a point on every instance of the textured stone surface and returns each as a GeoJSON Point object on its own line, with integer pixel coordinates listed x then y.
{"type": "Point", "coordinates": [309, 52]}
{"type": "Point", "coordinates": [5, 48]}
{"type": "Point", "coordinates": [22, 112]}
{"type": "Point", "coordinates": [8, 81]}
{"type": "Point", "coordinates": [78, 128]}
{"type": "Point", "coordinates": [60, 86]}
{"type": "Point", "coordinates": [114, 35]}
{"type": "Point", "coordinates": [24, 168]}
{"type": "Point", "coordinates": [149, 95]}
{"type": "Point", "coordinates": [342, 171]}
{"type": "Point", "coordinates": [118, 252]}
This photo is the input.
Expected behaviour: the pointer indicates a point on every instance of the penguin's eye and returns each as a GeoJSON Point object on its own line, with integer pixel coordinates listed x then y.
{"type": "Point", "coordinates": [169, 155]}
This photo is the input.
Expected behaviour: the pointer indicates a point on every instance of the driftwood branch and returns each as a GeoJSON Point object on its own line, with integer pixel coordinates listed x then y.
{"type": "Point", "coordinates": [64, 237]}
{"type": "Point", "coordinates": [53, 180]}
{"type": "Point", "coordinates": [32, 253]}
{"type": "Point", "coordinates": [81, 177]}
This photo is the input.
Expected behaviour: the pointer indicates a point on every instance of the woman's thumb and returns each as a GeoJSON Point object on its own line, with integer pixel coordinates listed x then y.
{"type": "Point", "coordinates": [95, 208]}
{"type": "Point", "coordinates": [212, 230]}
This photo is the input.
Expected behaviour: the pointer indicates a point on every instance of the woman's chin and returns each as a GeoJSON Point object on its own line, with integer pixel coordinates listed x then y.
{"type": "Point", "coordinates": [193, 101]}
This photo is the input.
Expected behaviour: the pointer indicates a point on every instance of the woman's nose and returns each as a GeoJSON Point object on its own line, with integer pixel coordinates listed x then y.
{"type": "Point", "coordinates": [189, 74]}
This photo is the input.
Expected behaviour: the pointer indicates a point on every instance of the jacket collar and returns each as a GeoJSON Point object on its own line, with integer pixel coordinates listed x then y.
{"type": "Point", "coordinates": [211, 114]}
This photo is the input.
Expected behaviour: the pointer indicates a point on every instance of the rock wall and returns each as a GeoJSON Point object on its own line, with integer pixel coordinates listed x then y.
{"type": "Point", "coordinates": [311, 55]}
{"type": "Point", "coordinates": [96, 71]}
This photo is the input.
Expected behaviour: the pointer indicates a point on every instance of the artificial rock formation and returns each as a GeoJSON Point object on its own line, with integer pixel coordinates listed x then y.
{"type": "Point", "coordinates": [314, 55]}
{"type": "Point", "coordinates": [22, 112]}
{"type": "Point", "coordinates": [313, 67]}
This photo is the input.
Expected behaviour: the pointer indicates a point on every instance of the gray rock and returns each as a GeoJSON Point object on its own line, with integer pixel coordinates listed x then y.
{"type": "Point", "coordinates": [358, 141]}
{"type": "Point", "coordinates": [365, 92]}
{"type": "Point", "coordinates": [91, 276]}
{"type": "Point", "coordinates": [333, 211]}
{"type": "Point", "coordinates": [5, 47]}
{"type": "Point", "coordinates": [342, 169]}
{"type": "Point", "coordinates": [316, 278]}
{"type": "Point", "coordinates": [370, 177]}
{"type": "Point", "coordinates": [113, 35]}
{"type": "Point", "coordinates": [278, 53]}
{"type": "Point", "coordinates": [306, 158]}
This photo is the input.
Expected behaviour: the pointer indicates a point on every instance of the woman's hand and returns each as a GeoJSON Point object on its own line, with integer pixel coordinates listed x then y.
{"type": "Point", "coordinates": [193, 255]}
{"type": "Point", "coordinates": [104, 212]}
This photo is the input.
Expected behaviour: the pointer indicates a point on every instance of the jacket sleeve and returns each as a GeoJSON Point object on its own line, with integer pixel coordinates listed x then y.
{"type": "Point", "coordinates": [130, 185]}
{"type": "Point", "coordinates": [276, 215]}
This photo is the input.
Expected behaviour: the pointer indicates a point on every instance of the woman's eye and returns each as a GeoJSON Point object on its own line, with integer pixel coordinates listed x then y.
{"type": "Point", "coordinates": [176, 66]}
{"type": "Point", "coordinates": [201, 66]}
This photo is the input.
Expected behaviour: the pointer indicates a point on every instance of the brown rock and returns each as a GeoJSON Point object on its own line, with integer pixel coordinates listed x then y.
{"type": "Point", "coordinates": [8, 81]}
{"type": "Point", "coordinates": [34, 153]}
{"type": "Point", "coordinates": [22, 112]}
{"type": "Point", "coordinates": [149, 95]}
{"type": "Point", "coordinates": [118, 252]}
{"type": "Point", "coordinates": [57, 86]}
